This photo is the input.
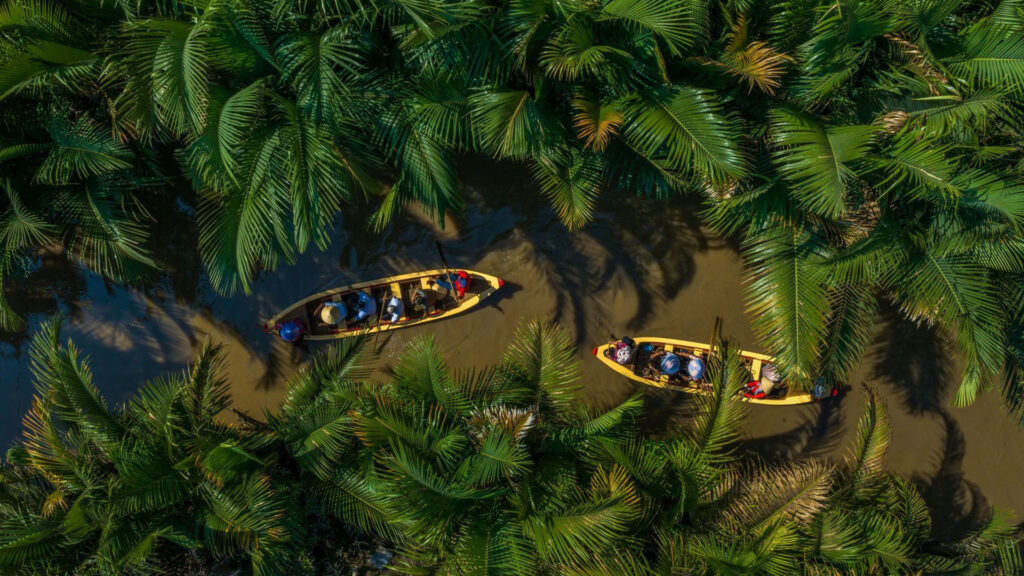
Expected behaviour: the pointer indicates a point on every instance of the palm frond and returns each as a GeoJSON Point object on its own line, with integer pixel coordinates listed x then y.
{"type": "Point", "coordinates": [571, 180]}
{"type": "Point", "coordinates": [167, 63]}
{"type": "Point", "coordinates": [786, 299]}
{"type": "Point", "coordinates": [795, 493]}
{"type": "Point", "coordinates": [80, 150]}
{"type": "Point", "coordinates": [675, 22]}
{"type": "Point", "coordinates": [541, 360]}
{"type": "Point", "coordinates": [818, 161]}
{"type": "Point", "coordinates": [510, 123]}
{"type": "Point", "coordinates": [873, 435]}
{"type": "Point", "coordinates": [719, 416]}
{"type": "Point", "coordinates": [595, 122]}
{"type": "Point", "coordinates": [687, 128]}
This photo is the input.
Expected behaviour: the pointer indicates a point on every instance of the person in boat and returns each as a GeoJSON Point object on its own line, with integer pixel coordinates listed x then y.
{"type": "Point", "coordinates": [419, 301]}
{"type": "Point", "coordinates": [332, 313]}
{"type": "Point", "coordinates": [694, 367]}
{"type": "Point", "coordinates": [365, 306]}
{"type": "Point", "coordinates": [671, 364]}
{"type": "Point", "coordinates": [462, 281]}
{"type": "Point", "coordinates": [291, 331]}
{"type": "Point", "coordinates": [822, 389]}
{"type": "Point", "coordinates": [665, 363]}
{"type": "Point", "coordinates": [394, 309]}
{"type": "Point", "coordinates": [769, 383]}
{"type": "Point", "coordinates": [622, 351]}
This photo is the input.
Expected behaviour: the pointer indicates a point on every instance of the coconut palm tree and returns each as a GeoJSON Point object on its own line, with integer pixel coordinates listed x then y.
{"type": "Point", "coordinates": [817, 518]}
{"type": "Point", "coordinates": [160, 484]}
{"type": "Point", "coordinates": [500, 471]}
{"type": "Point", "coordinates": [863, 150]}
{"type": "Point", "coordinates": [484, 472]}
{"type": "Point", "coordinates": [889, 173]}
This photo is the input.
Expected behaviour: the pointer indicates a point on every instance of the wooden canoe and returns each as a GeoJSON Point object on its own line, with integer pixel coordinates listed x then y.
{"type": "Point", "coordinates": [753, 361]}
{"type": "Point", "coordinates": [439, 306]}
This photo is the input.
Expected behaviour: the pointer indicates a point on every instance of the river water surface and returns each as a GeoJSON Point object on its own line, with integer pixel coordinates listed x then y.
{"type": "Point", "coordinates": [641, 268]}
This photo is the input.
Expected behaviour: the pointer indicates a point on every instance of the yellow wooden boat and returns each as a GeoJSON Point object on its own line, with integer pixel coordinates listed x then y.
{"type": "Point", "coordinates": [638, 370]}
{"type": "Point", "coordinates": [441, 304]}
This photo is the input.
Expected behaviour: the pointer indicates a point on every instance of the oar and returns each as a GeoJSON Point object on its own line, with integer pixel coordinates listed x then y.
{"type": "Point", "coordinates": [448, 272]}
{"type": "Point", "coordinates": [715, 333]}
{"type": "Point", "coordinates": [380, 316]}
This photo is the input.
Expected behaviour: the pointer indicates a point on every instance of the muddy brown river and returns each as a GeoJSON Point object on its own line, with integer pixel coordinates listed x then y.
{"type": "Point", "coordinates": [641, 268]}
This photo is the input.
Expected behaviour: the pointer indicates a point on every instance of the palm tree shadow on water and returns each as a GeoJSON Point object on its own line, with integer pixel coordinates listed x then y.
{"type": "Point", "coordinates": [913, 359]}
{"type": "Point", "coordinates": [818, 432]}
{"type": "Point", "coordinates": [957, 505]}
{"type": "Point", "coordinates": [650, 243]}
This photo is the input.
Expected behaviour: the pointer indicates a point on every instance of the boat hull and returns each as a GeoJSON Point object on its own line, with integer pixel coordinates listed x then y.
{"type": "Point", "coordinates": [754, 362]}
{"type": "Point", "coordinates": [439, 307]}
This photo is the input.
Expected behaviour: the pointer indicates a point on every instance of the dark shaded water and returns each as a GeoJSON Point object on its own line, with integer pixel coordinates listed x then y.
{"type": "Point", "coordinates": [641, 268]}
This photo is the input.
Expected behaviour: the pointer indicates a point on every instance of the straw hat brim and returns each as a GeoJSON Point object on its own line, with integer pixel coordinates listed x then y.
{"type": "Point", "coordinates": [330, 315]}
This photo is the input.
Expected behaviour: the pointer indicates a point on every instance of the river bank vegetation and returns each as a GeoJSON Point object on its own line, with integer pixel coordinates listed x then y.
{"type": "Point", "coordinates": [861, 151]}
{"type": "Point", "coordinates": [498, 471]}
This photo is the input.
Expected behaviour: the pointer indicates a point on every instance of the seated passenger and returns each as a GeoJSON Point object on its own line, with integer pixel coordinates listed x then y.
{"type": "Point", "coordinates": [365, 305]}
{"type": "Point", "coordinates": [333, 313]}
{"type": "Point", "coordinates": [462, 281]}
{"type": "Point", "coordinates": [669, 364]}
{"type": "Point", "coordinates": [419, 301]}
{"type": "Point", "coordinates": [770, 379]}
{"type": "Point", "coordinates": [822, 389]}
{"type": "Point", "coordinates": [292, 331]}
{"type": "Point", "coordinates": [394, 309]}
{"type": "Point", "coordinates": [622, 351]}
{"type": "Point", "coordinates": [695, 368]}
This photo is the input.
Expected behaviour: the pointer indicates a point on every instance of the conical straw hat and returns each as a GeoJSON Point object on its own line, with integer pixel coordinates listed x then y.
{"type": "Point", "coordinates": [330, 314]}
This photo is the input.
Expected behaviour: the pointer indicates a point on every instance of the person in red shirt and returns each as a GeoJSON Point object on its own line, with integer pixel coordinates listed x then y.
{"type": "Point", "coordinates": [462, 281]}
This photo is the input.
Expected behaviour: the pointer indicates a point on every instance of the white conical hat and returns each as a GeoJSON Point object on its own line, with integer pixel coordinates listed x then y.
{"type": "Point", "coordinates": [330, 314]}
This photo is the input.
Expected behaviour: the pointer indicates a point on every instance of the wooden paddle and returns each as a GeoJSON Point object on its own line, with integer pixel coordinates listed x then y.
{"type": "Point", "coordinates": [380, 315]}
{"type": "Point", "coordinates": [716, 332]}
{"type": "Point", "coordinates": [448, 272]}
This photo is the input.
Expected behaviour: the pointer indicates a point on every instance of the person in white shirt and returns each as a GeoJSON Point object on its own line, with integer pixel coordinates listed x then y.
{"type": "Point", "coordinates": [394, 309]}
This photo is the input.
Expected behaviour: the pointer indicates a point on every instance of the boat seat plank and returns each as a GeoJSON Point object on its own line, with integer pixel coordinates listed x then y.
{"type": "Point", "coordinates": [755, 370]}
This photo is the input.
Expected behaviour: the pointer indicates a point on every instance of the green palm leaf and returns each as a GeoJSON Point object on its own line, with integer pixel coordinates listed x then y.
{"type": "Point", "coordinates": [510, 123]}
{"type": "Point", "coordinates": [595, 519]}
{"type": "Point", "coordinates": [817, 160]}
{"type": "Point", "coordinates": [993, 57]}
{"type": "Point", "coordinates": [873, 434]}
{"type": "Point", "coordinates": [796, 493]}
{"type": "Point", "coordinates": [676, 22]}
{"type": "Point", "coordinates": [574, 53]}
{"type": "Point", "coordinates": [541, 359]}
{"type": "Point", "coordinates": [572, 181]}
{"type": "Point", "coordinates": [718, 418]}
{"type": "Point", "coordinates": [687, 128]}
{"type": "Point", "coordinates": [167, 62]}
{"type": "Point", "coordinates": [786, 299]}
{"type": "Point", "coordinates": [957, 293]}
{"type": "Point", "coordinates": [851, 314]}
{"type": "Point", "coordinates": [320, 67]}
{"type": "Point", "coordinates": [242, 230]}
{"type": "Point", "coordinates": [349, 495]}
{"type": "Point", "coordinates": [329, 372]}
{"type": "Point", "coordinates": [230, 121]}
{"type": "Point", "coordinates": [20, 226]}
{"type": "Point", "coordinates": [80, 150]}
